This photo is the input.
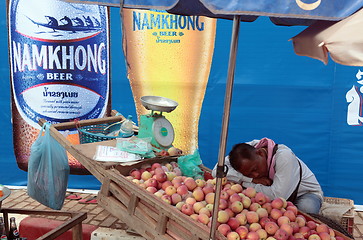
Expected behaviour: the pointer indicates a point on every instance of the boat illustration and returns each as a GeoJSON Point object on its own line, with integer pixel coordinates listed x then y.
{"type": "Point", "coordinates": [68, 24]}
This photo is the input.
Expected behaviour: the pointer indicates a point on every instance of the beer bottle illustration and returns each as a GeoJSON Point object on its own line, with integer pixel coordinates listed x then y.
{"type": "Point", "coordinates": [170, 56]}
{"type": "Point", "coordinates": [59, 58]}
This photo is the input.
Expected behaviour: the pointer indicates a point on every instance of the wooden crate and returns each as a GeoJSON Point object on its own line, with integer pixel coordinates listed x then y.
{"type": "Point", "coordinates": [147, 214]}
{"type": "Point", "coordinates": [347, 220]}
{"type": "Point", "coordinates": [140, 210]}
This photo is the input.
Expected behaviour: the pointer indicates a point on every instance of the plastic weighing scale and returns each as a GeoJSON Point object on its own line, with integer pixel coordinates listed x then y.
{"type": "Point", "coordinates": [154, 125]}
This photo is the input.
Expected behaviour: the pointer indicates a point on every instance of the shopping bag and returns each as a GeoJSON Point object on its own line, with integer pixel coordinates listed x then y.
{"type": "Point", "coordinates": [48, 170]}
{"type": "Point", "coordinates": [189, 165]}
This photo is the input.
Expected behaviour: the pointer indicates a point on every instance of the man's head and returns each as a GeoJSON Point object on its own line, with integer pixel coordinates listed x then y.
{"type": "Point", "coordinates": [249, 161]}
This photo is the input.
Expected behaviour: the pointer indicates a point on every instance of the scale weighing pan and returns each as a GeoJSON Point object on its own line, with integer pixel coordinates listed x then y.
{"type": "Point", "coordinates": [156, 103]}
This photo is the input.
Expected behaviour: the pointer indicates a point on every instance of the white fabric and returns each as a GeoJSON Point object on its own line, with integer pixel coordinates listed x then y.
{"type": "Point", "coordinates": [286, 177]}
{"type": "Point", "coordinates": [343, 40]}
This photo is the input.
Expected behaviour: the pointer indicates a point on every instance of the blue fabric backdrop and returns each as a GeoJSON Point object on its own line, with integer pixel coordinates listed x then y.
{"type": "Point", "coordinates": [294, 100]}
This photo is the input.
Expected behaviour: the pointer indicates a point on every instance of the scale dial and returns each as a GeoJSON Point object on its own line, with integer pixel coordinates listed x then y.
{"type": "Point", "coordinates": [163, 131]}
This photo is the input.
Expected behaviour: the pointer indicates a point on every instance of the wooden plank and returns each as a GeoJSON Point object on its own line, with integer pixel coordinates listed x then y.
{"type": "Point", "coordinates": [77, 233]}
{"type": "Point", "coordinates": [144, 207]}
{"type": "Point", "coordinates": [146, 215]}
{"type": "Point", "coordinates": [119, 193]}
{"type": "Point", "coordinates": [177, 229]}
{"type": "Point", "coordinates": [162, 221]}
{"type": "Point", "coordinates": [105, 187]}
{"type": "Point", "coordinates": [87, 122]}
{"type": "Point", "coordinates": [111, 204]}
{"type": "Point", "coordinates": [134, 200]}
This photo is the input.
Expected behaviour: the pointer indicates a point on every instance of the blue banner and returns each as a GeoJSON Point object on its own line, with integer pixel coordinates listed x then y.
{"type": "Point", "coordinates": [313, 108]}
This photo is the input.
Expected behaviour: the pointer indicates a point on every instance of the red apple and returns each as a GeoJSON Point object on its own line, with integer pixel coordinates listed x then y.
{"type": "Point", "coordinates": [203, 218]}
{"type": "Point", "coordinates": [291, 215]}
{"type": "Point", "coordinates": [135, 173]}
{"type": "Point", "coordinates": [166, 199]}
{"type": "Point", "coordinates": [301, 220]}
{"type": "Point", "coordinates": [322, 228]}
{"type": "Point", "coordinates": [263, 221]}
{"type": "Point", "coordinates": [223, 216]}
{"type": "Point", "coordinates": [262, 212]}
{"type": "Point", "coordinates": [311, 224]}
{"type": "Point", "coordinates": [224, 229]}
{"type": "Point", "coordinates": [236, 207]}
{"type": "Point", "coordinates": [208, 189]}
{"type": "Point", "coordinates": [237, 188]}
{"type": "Point", "coordinates": [175, 198]}
{"type": "Point", "coordinates": [223, 204]}
{"type": "Point", "coordinates": [314, 237]}
{"type": "Point", "coordinates": [281, 234]}
{"type": "Point", "coordinates": [241, 217]}
{"type": "Point", "coordinates": [209, 197]}
{"type": "Point", "coordinates": [254, 206]}
{"type": "Point", "coordinates": [249, 192]}
{"type": "Point", "coordinates": [254, 227]}
{"type": "Point", "coordinates": [305, 231]}
{"type": "Point", "coordinates": [155, 165]}
{"type": "Point", "coordinates": [166, 184]}
{"type": "Point", "coordinates": [233, 236]}
{"type": "Point", "coordinates": [197, 206]}
{"type": "Point", "coordinates": [271, 228]}
{"type": "Point", "coordinates": [233, 223]}
{"type": "Point", "coordinates": [151, 182]}
{"type": "Point", "coordinates": [242, 232]}
{"type": "Point", "coordinates": [190, 183]}
{"type": "Point", "coordinates": [161, 177]}
{"type": "Point", "coordinates": [292, 208]}
{"type": "Point", "coordinates": [283, 219]}
{"type": "Point", "coordinates": [287, 227]}
{"type": "Point", "coordinates": [235, 197]}
{"type": "Point", "coordinates": [187, 209]}
{"type": "Point", "coordinates": [252, 217]}
{"type": "Point", "coordinates": [324, 236]}
{"type": "Point", "coordinates": [151, 189]}
{"type": "Point", "coordinates": [170, 190]}
{"type": "Point", "coordinates": [275, 213]}
{"type": "Point", "coordinates": [277, 203]}
{"type": "Point", "coordinates": [267, 206]}
{"type": "Point", "coordinates": [252, 236]}
{"type": "Point", "coordinates": [260, 198]}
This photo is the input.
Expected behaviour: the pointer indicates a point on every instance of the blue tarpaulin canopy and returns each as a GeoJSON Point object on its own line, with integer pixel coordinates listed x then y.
{"type": "Point", "coordinates": [303, 9]}
{"type": "Point", "coordinates": [281, 12]}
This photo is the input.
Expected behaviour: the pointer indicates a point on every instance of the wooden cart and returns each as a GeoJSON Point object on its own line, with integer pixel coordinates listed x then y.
{"type": "Point", "coordinates": [145, 213]}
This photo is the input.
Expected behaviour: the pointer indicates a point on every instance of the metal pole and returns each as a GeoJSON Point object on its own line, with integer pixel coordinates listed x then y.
{"type": "Point", "coordinates": [225, 122]}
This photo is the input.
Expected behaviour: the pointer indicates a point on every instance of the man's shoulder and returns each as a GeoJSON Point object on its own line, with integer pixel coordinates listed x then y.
{"type": "Point", "coordinates": [284, 150]}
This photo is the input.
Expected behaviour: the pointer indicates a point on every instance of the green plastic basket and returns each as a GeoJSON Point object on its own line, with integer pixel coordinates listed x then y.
{"type": "Point", "coordinates": [97, 133]}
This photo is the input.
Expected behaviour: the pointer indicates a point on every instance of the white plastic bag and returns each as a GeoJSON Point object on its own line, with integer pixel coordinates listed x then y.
{"type": "Point", "coordinates": [48, 170]}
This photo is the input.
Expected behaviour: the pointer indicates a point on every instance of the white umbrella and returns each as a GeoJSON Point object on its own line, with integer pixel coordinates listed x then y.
{"type": "Point", "coordinates": [343, 40]}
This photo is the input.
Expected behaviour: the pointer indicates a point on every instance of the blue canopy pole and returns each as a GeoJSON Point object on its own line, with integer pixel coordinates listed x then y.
{"type": "Point", "coordinates": [220, 174]}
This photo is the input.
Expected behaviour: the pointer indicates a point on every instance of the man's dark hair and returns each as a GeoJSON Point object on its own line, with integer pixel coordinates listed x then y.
{"type": "Point", "coordinates": [240, 150]}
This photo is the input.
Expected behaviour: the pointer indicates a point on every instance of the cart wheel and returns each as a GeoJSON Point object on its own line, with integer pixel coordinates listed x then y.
{"type": "Point", "coordinates": [332, 224]}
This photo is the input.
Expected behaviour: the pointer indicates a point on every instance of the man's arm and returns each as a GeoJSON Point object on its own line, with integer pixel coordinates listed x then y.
{"type": "Point", "coordinates": [264, 181]}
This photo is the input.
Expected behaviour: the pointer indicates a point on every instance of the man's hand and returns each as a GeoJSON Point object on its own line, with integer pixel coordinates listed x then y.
{"type": "Point", "coordinates": [263, 180]}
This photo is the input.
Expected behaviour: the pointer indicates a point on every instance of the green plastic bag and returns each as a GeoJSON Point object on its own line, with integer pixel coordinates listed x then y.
{"type": "Point", "coordinates": [189, 165]}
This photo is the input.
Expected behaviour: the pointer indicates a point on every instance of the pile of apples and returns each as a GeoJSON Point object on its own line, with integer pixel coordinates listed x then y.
{"type": "Point", "coordinates": [243, 213]}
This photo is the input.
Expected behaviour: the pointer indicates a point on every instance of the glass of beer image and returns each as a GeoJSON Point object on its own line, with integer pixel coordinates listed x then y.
{"type": "Point", "coordinates": [170, 56]}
